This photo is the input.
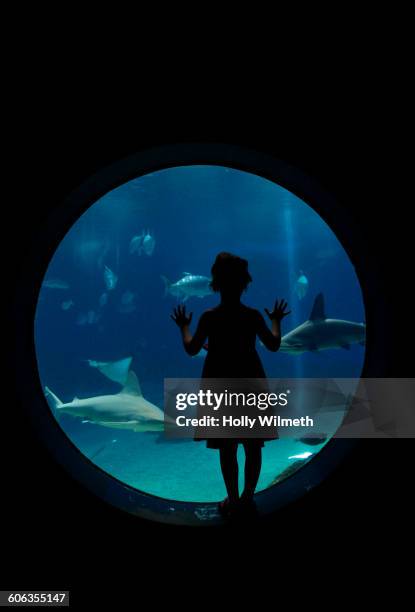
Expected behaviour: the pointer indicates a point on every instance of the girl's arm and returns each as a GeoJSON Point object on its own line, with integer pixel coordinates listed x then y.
{"type": "Point", "coordinates": [272, 338]}
{"type": "Point", "coordinates": [192, 344]}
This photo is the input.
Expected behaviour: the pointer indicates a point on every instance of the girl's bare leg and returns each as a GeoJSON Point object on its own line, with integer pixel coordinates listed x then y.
{"type": "Point", "coordinates": [229, 467]}
{"type": "Point", "coordinates": [253, 463]}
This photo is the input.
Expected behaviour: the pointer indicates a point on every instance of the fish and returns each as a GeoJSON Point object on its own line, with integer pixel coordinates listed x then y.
{"type": "Point", "coordinates": [319, 333]}
{"type": "Point", "coordinates": [114, 370]}
{"type": "Point", "coordinates": [110, 279]}
{"type": "Point", "coordinates": [144, 243]}
{"type": "Point", "coordinates": [301, 285]}
{"type": "Point", "coordinates": [127, 297]}
{"type": "Point", "coordinates": [127, 410]}
{"type": "Point", "coordinates": [191, 285]}
{"type": "Point", "coordinates": [67, 305]}
{"type": "Point", "coordinates": [127, 304]}
{"type": "Point", "coordinates": [103, 299]}
{"type": "Point", "coordinates": [55, 283]}
{"type": "Point", "coordinates": [92, 317]}
{"type": "Point", "coordinates": [149, 244]}
{"type": "Point", "coordinates": [91, 253]}
{"type": "Point", "coordinates": [136, 244]}
{"type": "Point", "coordinates": [89, 318]}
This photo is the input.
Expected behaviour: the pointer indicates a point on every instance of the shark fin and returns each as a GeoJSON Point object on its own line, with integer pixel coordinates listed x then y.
{"type": "Point", "coordinates": [132, 386]}
{"type": "Point", "coordinates": [346, 346]}
{"type": "Point", "coordinates": [53, 400]}
{"type": "Point", "coordinates": [317, 312]}
{"type": "Point", "coordinates": [114, 370]}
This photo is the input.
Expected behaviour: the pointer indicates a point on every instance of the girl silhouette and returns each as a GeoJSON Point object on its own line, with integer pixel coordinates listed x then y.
{"type": "Point", "coordinates": [230, 330]}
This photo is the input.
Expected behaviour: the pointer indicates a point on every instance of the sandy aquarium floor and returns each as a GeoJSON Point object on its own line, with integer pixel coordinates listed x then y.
{"type": "Point", "coordinates": [178, 470]}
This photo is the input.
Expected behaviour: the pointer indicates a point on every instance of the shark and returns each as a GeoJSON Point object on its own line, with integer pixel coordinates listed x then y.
{"type": "Point", "coordinates": [319, 333]}
{"type": "Point", "coordinates": [127, 409]}
{"type": "Point", "coordinates": [55, 283]}
{"type": "Point", "coordinates": [190, 285]}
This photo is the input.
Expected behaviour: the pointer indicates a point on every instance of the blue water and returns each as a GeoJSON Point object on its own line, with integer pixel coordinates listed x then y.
{"type": "Point", "coordinates": [193, 213]}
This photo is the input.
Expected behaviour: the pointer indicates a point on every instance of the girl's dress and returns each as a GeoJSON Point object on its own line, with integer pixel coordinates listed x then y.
{"type": "Point", "coordinates": [231, 335]}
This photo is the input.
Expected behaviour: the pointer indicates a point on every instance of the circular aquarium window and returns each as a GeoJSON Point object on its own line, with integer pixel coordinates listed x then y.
{"type": "Point", "coordinates": [103, 311]}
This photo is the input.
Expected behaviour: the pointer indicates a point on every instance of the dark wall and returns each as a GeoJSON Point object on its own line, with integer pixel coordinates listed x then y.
{"type": "Point", "coordinates": [58, 535]}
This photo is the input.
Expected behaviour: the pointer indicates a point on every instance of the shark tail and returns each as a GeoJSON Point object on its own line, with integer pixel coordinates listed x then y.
{"type": "Point", "coordinates": [53, 400]}
{"type": "Point", "coordinates": [167, 284]}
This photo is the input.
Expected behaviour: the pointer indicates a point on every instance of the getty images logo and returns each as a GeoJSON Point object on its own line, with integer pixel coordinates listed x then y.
{"type": "Point", "coordinates": [225, 399]}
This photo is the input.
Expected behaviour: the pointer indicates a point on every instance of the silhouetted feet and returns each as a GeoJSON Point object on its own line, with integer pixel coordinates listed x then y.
{"type": "Point", "coordinates": [227, 509]}
{"type": "Point", "coordinates": [248, 507]}
{"type": "Point", "coordinates": [244, 509]}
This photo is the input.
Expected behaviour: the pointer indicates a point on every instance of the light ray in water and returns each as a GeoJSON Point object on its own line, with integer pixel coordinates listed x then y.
{"type": "Point", "coordinates": [291, 270]}
{"type": "Point", "coordinates": [117, 250]}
